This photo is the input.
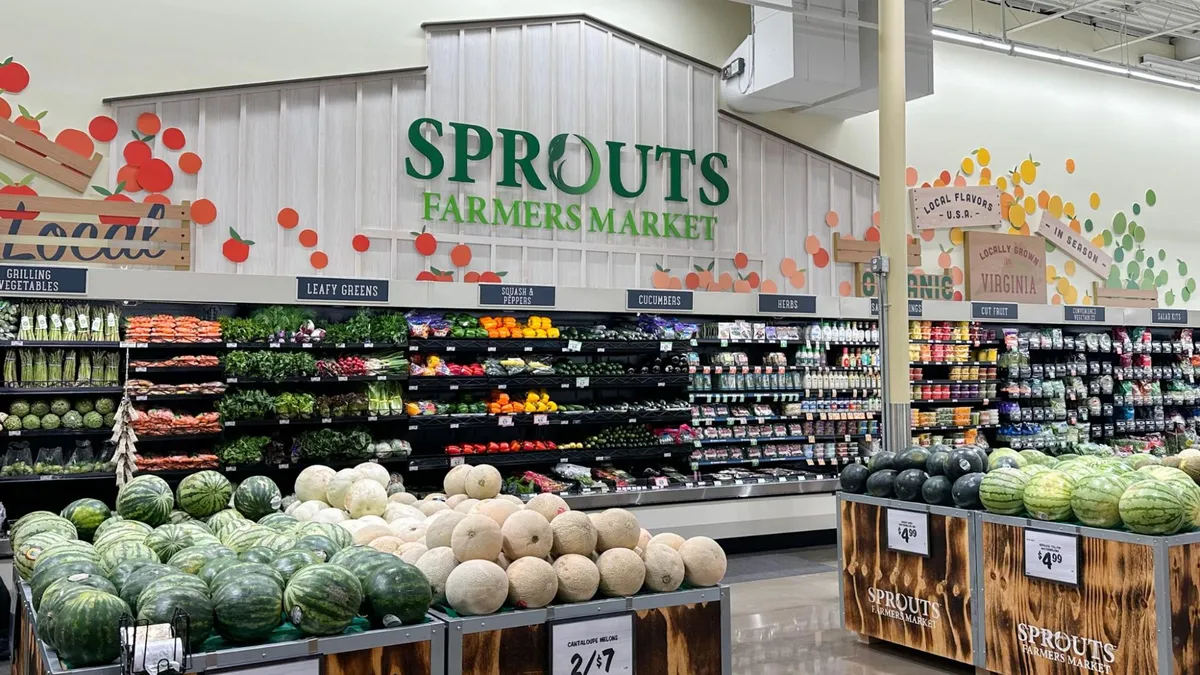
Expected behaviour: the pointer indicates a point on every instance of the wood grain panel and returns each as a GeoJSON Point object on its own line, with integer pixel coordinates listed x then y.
{"type": "Point", "coordinates": [1113, 605]}
{"type": "Point", "coordinates": [44, 146]}
{"type": "Point", "coordinates": [524, 650]}
{"type": "Point", "coordinates": [407, 659]}
{"type": "Point", "coordinates": [680, 640]}
{"type": "Point", "coordinates": [95, 207]}
{"type": "Point", "coordinates": [1184, 564]}
{"type": "Point", "coordinates": [129, 235]}
{"type": "Point", "coordinates": [109, 255]}
{"type": "Point", "coordinates": [930, 605]}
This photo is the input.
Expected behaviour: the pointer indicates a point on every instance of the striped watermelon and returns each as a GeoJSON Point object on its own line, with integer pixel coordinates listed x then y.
{"type": "Point", "coordinates": [59, 569]}
{"type": "Point", "coordinates": [119, 553]}
{"type": "Point", "coordinates": [47, 613]}
{"type": "Point", "coordinates": [280, 522]}
{"type": "Point", "coordinates": [337, 534]}
{"type": "Point", "coordinates": [1078, 469]}
{"type": "Point", "coordinates": [125, 570]}
{"type": "Point", "coordinates": [26, 554]}
{"type": "Point", "coordinates": [166, 583]}
{"type": "Point", "coordinates": [119, 524]}
{"type": "Point", "coordinates": [87, 627]}
{"type": "Point", "coordinates": [167, 540]}
{"type": "Point", "coordinates": [204, 493]}
{"type": "Point", "coordinates": [114, 538]}
{"type": "Point", "coordinates": [256, 497]}
{"type": "Point", "coordinates": [86, 515]}
{"type": "Point", "coordinates": [1096, 499]}
{"type": "Point", "coordinates": [140, 579]}
{"type": "Point", "coordinates": [178, 516]}
{"type": "Point", "coordinates": [322, 599]}
{"type": "Point", "coordinates": [217, 521]}
{"type": "Point", "coordinates": [242, 569]}
{"type": "Point", "coordinates": [289, 562]}
{"type": "Point", "coordinates": [227, 531]}
{"type": "Point", "coordinates": [52, 524]}
{"type": "Point", "coordinates": [214, 567]}
{"type": "Point", "coordinates": [147, 499]}
{"type": "Point", "coordinates": [70, 548]}
{"type": "Point", "coordinates": [1002, 491]}
{"type": "Point", "coordinates": [241, 540]}
{"type": "Point", "coordinates": [278, 542]}
{"type": "Point", "coordinates": [1188, 492]}
{"type": "Point", "coordinates": [1048, 495]}
{"type": "Point", "coordinates": [1142, 459]}
{"type": "Point", "coordinates": [160, 606]}
{"type": "Point", "coordinates": [247, 608]}
{"type": "Point", "coordinates": [258, 554]}
{"type": "Point", "coordinates": [193, 558]}
{"type": "Point", "coordinates": [1152, 507]}
{"type": "Point", "coordinates": [323, 546]}
{"type": "Point", "coordinates": [28, 518]}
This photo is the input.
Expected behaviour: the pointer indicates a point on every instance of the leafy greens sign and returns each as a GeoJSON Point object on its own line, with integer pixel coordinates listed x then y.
{"type": "Point", "coordinates": [522, 164]}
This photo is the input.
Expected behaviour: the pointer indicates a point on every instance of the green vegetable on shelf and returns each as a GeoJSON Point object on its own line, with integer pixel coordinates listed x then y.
{"type": "Point", "coordinates": [289, 405]}
{"type": "Point", "coordinates": [251, 404]}
{"type": "Point", "coordinates": [244, 450]}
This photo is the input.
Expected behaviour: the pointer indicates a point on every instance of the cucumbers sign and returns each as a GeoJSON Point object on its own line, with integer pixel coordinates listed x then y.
{"type": "Point", "coordinates": [524, 161]}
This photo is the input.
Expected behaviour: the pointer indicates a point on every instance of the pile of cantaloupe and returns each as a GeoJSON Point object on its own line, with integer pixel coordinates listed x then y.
{"type": "Point", "coordinates": [480, 549]}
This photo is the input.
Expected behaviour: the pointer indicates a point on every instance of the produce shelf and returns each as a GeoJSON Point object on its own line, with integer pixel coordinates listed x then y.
{"type": "Point", "coordinates": [59, 432]}
{"type": "Point", "coordinates": [917, 430]}
{"type": "Point", "coordinates": [550, 419]}
{"type": "Point", "coordinates": [143, 438]}
{"type": "Point", "coordinates": [173, 397]}
{"type": "Point", "coordinates": [52, 391]}
{"type": "Point", "coordinates": [973, 343]}
{"type": "Point", "coordinates": [316, 421]}
{"type": "Point", "coordinates": [543, 345]}
{"type": "Point", "coordinates": [455, 383]}
{"type": "Point", "coordinates": [953, 363]}
{"type": "Point", "coordinates": [717, 370]}
{"type": "Point", "coordinates": [180, 369]}
{"type": "Point", "coordinates": [796, 394]}
{"type": "Point", "coordinates": [60, 343]}
{"type": "Point", "coordinates": [776, 439]}
{"type": "Point", "coordinates": [701, 491]}
{"type": "Point", "coordinates": [550, 456]}
{"type": "Point", "coordinates": [784, 343]}
{"type": "Point", "coordinates": [984, 401]}
{"type": "Point", "coordinates": [850, 415]}
{"type": "Point", "coordinates": [926, 381]}
{"type": "Point", "coordinates": [37, 478]}
{"type": "Point", "coordinates": [832, 461]}
{"type": "Point", "coordinates": [238, 345]}
{"type": "Point", "coordinates": [395, 377]}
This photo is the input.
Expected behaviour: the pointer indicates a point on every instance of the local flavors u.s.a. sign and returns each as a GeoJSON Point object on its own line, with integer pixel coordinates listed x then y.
{"type": "Point", "coordinates": [1006, 267]}
{"type": "Point", "coordinates": [941, 208]}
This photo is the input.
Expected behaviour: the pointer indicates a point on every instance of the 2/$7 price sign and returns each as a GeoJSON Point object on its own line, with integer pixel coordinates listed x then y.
{"type": "Point", "coordinates": [592, 646]}
{"type": "Point", "coordinates": [1053, 557]}
{"type": "Point", "coordinates": [908, 531]}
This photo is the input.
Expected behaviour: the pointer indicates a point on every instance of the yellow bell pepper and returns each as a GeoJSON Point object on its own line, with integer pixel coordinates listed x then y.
{"type": "Point", "coordinates": [552, 332]}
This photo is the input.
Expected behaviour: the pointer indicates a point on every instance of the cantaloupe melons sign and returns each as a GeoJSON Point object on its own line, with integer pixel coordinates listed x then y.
{"type": "Point", "coordinates": [523, 164]}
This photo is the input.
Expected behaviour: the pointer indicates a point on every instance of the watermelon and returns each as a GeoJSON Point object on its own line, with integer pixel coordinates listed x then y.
{"type": "Point", "coordinates": [70, 549]}
{"type": "Point", "coordinates": [1036, 457]}
{"type": "Point", "coordinates": [242, 569]}
{"type": "Point", "coordinates": [256, 497]}
{"type": "Point", "coordinates": [325, 548]}
{"type": "Point", "coordinates": [1166, 473]}
{"type": "Point", "coordinates": [1188, 492]}
{"type": "Point", "coordinates": [289, 562]}
{"type": "Point", "coordinates": [167, 540]}
{"type": "Point", "coordinates": [1142, 459]}
{"type": "Point", "coordinates": [1152, 507]}
{"type": "Point", "coordinates": [178, 516]}
{"type": "Point", "coordinates": [26, 555]}
{"type": "Point", "coordinates": [963, 461]}
{"type": "Point", "coordinates": [147, 499]}
{"type": "Point", "coordinates": [43, 524]}
{"type": "Point", "coordinates": [908, 484]}
{"type": "Point", "coordinates": [1001, 457]}
{"type": "Point", "coordinates": [882, 483]}
{"type": "Point", "coordinates": [219, 520]}
{"type": "Point", "coordinates": [117, 525]}
{"type": "Point", "coordinates": [881, 461]}
{"type": "Point", "coordinates": [322, 599]}
{"type": "Point", "coordinates": [937, 490]}
{"type": "Point", "coordinates": [86, 515]}
{"type": "Point", "coordinates": [59, 569]}
{"type": "Point", "coordinates": [243, 539]}
{"type": "Point", "coordinates": [128, 550]}
{"type": "Point", "coordinates": [278, 542]}
{"type": "Point", "coordinates": [854, 478]}
{"type": "Point", "coordinates": [1048, 495]}
{"type": "Point", "coordinates": [193, 558]}
{"type": "Point", "coordinates": [214, 566]}
{"type": "Point", "coordinates": [965, 491]}
{"type": "Point", "coordinates": [337, 534]}
{"type": "Point", "coordinates": [1002, 491]}
{"type": "Point", "coordinates": [165, 584]}
{"type": "Point", "coordinates": [47, 613]}
{"type": "Point", "coordinates": [258, 554]}
{"type": "Point", "coordinates": [87, 628]}
{"type": "Point", "coordinates": [1095, 501]}
{"type": "Point", "coordinates": [160, 607]}
{"type": "Point", "coordinates": [125, 570]}
{"type": "Point", "coordinates": [30, 517]}
{"type": "Point", "coordinates": [247, 608]}
{"type": "Point", "coordinates": [397, 595]}
{"type": "Point", "coordinates": [203, 540]}
{"type": "Point", "coordinates": [915, 457]}
{"type": "Point", "coordinates": [138, 580]}
{"type": "Point", "coordinates": [936, 466]}
{"type": "Point", "coordinates": [280, 522]}
{"type": "Point", "coordinates": [348, 555]}
{"type": "Point", "coordinates": [114, 538]}
{"type": "Point", "coordinates": [1077, 469]}
{"type": "Point", "coordinates": [365, 566]}
{"type": "Point", "coordinates": [204, 493]}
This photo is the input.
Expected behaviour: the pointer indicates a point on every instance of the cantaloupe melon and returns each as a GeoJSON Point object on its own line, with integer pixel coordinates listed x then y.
{"type": "Point", "coordinates": [454, 500]}
{"type": "Point", "coordinates": [641, 552]}
{"type": "Point", "coordinates": [411, 533]}
{"type": "Point", "coordinates": [350, 526]}
{"type": "Point", "coordinates": [527, 533]}
{"type": "Point", "coordinates": [312, 483]}
{"type": "Point", "coordinates": [477, 587]}
{"type": "Point", "coordinates": [387, 544]}
{"type": "Point", "coordinates": [375, 472]}
{"type": "Point", "coordinates": [330, 515]}
{"type": "Point", "coordinates": [455, 481]}
{"type": "Point", "coordinates": [371, 519]}
{"type": "Point", "coordinates": [578, 578]}
{"type": "Point", "coordinates": [403, 498]}
{"type": "Point", "coordinates": [497, 509]}
{"type": "Point", "coordinates": [411, 552]}
{"type": "Point", "coordinates": [514, 499]}
{"type": "Point", "coordinates": [483, 482]}
{"type": "Point", "coordinates": [532, 583]}
{"type": "Point", "coordinates": [503, 561]}
{"type": "Point", "coordinates": [308, 509]}
{"type": "Point", "coordinates": [435, 496]}
{"type": "Point", "coordinates": [668, 538]}
{"type": "Point", "coordinates": [394, 512]}
{"type": "Point", "coordinates": [617, 528]}
{"type": "Point", "coordinates": [430, 508]}
{"type": "Point", "coordinates": [476, 537]}
{"type": "Point", "coordinates": [622, 572]}
{"type": "Point", "coordinates": [437, 564]}
{"type": "Point", "coordinates": [466, 505]}
{"type": "Point", "coordinates": [440, 527]}
{"type": "Point", "coordinates": [664, 568]}
{"type": "Point", "coordinates": [573, 533]}
{"type": "Point", "coordinates": [549, 505]}
{"type": "Point", "coordinates": [366, 498]}
{"type": "Point", "coordinates": [644, 539]}
{"type": "Point", "coordinates": [703, 561]}
{"type": "Point", "coordinates": [369, 532]}
{"type": "Point", "coordinates": [339, 485]}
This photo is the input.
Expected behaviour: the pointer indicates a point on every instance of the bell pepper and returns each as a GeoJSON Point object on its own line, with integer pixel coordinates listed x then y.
{"type": "Point", "coordinates": [493, 447]}
{"type": "Point", "coordinates": [454, 450]}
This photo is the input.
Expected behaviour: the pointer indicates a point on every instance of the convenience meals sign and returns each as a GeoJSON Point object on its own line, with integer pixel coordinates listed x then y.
{"type": "Point", "coordinates": [523, 160]}
{"type": "Point", "coordinates": [942, 208]}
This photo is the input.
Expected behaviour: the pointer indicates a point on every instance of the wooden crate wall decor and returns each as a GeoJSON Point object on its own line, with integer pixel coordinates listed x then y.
{"type": "Point", "coordinates": [861, 251]}
{"type": "Point", "coordinates": [113, 235]}
{"type": "Point", "coordinates": [42, 155]}
{"type": "Point", "coordinates": [1123, 297]}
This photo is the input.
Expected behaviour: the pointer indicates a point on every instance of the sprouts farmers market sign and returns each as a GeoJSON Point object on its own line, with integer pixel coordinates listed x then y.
{"type": "Point", "coordinates": [522, 163]}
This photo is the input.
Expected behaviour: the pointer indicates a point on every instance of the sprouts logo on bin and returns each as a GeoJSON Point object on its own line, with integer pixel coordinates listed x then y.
{"type": "Point", "coordinates": [1074, 650]}
{"type": "Point", "coordinates": [520, 162]}
{"type": "Point", "coordinates": [904, 607]}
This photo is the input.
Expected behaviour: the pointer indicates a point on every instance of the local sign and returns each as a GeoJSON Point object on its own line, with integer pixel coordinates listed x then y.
{"type": "Point", "coordinates": [1005, 267]}
{"type": "Point", "coordinates": [1075, 245]}
{"type": "Point", "coordinates": [943, 208]}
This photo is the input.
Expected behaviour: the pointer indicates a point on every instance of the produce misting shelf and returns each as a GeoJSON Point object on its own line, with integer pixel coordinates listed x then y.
{"type": "Point", "coordinates": [151, 398]}
{"type": "Point", "coordinates": [58, 432]}
{"type": "Point", "coordinates": [984, 401]}
{"type": "Point", "coordinates": [848, 415]}
{"type": "Point", "coordinates": [718, 370]}
{"type": "Point", "coordinates": [395, 377]}
{"type": "Point", "coordinates": [926, 381]}
{"type": "Point", "coordinates": [37, 478]}
{"type": "Point", "coordinates": [832, 461]}
{"type": "Point", "coordinates": [543, 345]}
{"type": "Point", "coordinates": [702, 491]}
{"type": "Point", "coordinates": [799, 393]}
{"type": "Point", "coordinates": [962, 427]}
{"type": "Point", "coordinates": [181, 369]}
{"type": "Point", "coordinates": [550, 456]}
{"type": "Point", "coordinates": [953, 363]}
{"type": "Point", "coordinates": [970, 343]}
{"type": "Point", "coordinates": [53, 391]}
{"type": "Point", "coordinates": [147, 438]}
{"type": "Point", "coordinates": [74, 344]}
{"type": "Point", "coordinates": [551, 419]}
{"type": "Point", "coordinates": [455, 383]}
{"type": "Point", "coordinates": [318, 421]}
{"type": "Point", "coordinates": [777, 439]}
{"type": "Point", "coordinates": [784, 343]}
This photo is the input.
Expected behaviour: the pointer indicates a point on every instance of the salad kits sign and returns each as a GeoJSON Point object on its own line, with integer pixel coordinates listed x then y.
{"type": "Point", "coordinates": [525, 161]}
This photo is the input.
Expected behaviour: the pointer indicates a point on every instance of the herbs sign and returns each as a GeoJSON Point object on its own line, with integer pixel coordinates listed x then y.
{"type": "Point", "coordinates": [943, 208]}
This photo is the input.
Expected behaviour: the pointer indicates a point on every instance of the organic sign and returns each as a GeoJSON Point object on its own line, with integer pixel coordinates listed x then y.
{"type": "Point", "coordinates": [341, 290]}
{"type": "Point", "coordinates": [520, 164]}
{"type": "Point", "coordinates": [1006, 267]}
{"type": "Point", "coordinates": [1075, 245]}
{"type": "Point", "coordinates": [942, 208]}
{"type": "Point", "coordinates": [920, 286]}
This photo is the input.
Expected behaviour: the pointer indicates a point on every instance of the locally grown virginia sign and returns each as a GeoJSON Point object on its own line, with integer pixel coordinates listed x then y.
{"type": "Point", "coordinates": [941, 208]}
{"type": "Point", "coordinates": [523, 164]}
{"type": "Point", "coordinates": [1006, 267]}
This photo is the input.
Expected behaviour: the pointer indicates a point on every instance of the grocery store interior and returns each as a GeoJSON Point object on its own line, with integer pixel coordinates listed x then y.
{"type": "Point", "coordinates": [723, 274]}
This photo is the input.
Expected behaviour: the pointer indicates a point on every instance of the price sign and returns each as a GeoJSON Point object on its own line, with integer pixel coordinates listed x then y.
{"type": "Point", "coordinates": [506, 420]}
{"type": "Point", "coordinates": [1053, 557]}
{"type": "Point", "coordinates": [574, 345]}
{"type": "Point", "coordinates": [908, 531]}
{"type": "Point", "coordinates": [583, 382]}
{"type": "Point", "coordinates": [662, 482]}
{"type": "Point", "coordinates": [592, 646]}
{"type": "Point", "coordinates": [541, 420]}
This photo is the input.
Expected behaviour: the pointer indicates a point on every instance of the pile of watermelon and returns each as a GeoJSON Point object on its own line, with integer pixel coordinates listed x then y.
{"type": "Point", "coordinates": [235, 571]}
{"type": "Point", "coordinates": [937, 475]}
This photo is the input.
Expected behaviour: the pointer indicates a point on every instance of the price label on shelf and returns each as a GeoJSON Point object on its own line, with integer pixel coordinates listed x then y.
{"type": "Point", "coordinates": [372, 418]}
{"type": "Point", "coordinates": [368, 345]}
{"type": "Point", "coordinates": [574, 345]}
{"type": "Point", "coordinates": [582, 382]}
{"type": "Point", "coordinates": [662, 384]}
{"type": "Point", "coordinates": [273, 345]}
{"type": "Point", "coordinates": [599, 350]}
{"type": "Point", "coordinates": [541, 420]}
{"type": "Point", "coordinates": [140, 398]}
{"type": "Point", "coordinates": [491, 348]}
{"type": "Point", "coordinates": [908, 531]}
{"type": "Point", "coordinates": [231, 380]}
{"type": "Point", "coordinates": [231, 469]}
{"type": "Point", "coordinates": [457, 461]}
{"type": "Point", "coordinates": [601, 646]}
{"type": "Point", "coordinates": [505, 420]}
{"type": "Point", "coordinates": [454, 387]}
{"type": "Point", "coordinates": [454, 425]}
{"type": "Point", "coordinates": [1053, 557]}
{"type": "Point", "coordinates": [285, 466]}
{"type": "Point", "coordinates": [666, 346]}
{"type": "Point", "coordinates": [529, 349]}
{"type": "Point", "coordinates": [326, 420]}
{"type": "Point", "coordinates": [451, 348]}
{"type": "Point", "coordinates": [502, 386]}
{"type": "Point", "coordinates": [381, 378]}
{"type": "Point", "coordinates": [139, 369]}
{"type": "Point", "coordinates": [633, 420]}
{"type": "Point", "coordinates": [783, 343]}
{"type": "Point", "coordinates": [306, 345]}
{"type": "Point", "coordinates": [315, 378]}
{"type": "Point", "coordinates": [342, 378]}
{"type": "Point", "coordinates": [661, 481]}
{"type": "Point", "coordinates": [284, 422]}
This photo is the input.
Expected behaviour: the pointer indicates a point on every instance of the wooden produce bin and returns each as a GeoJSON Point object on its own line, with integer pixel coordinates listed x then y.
{"type": "Point", "coordinates": [407, 650]}
{"type": "Point", "coordinates": [924, 602]}
{"type": "Point", "coordinates": [686, 631]}
{"type": "Point", "coordinates": [1134, 609]}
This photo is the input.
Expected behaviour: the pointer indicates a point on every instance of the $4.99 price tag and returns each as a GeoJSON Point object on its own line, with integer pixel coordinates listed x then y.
{"type": "Point", "coordinates": [908, 531]}
{"type": "Point", "coordinates": [1053, 557]}
{"type": "Point", "coordinates": [592, 646]}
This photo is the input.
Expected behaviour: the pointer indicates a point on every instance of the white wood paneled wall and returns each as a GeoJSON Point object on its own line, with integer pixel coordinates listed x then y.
{"type": "Point", "coordinates": [334, 150]}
